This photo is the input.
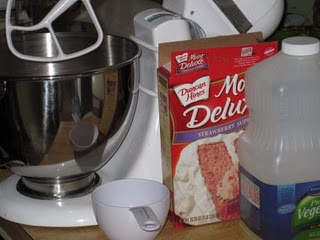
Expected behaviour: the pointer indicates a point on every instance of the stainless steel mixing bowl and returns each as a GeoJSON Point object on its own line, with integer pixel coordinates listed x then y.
{"type": "Point", "coordinates": [61, 122]}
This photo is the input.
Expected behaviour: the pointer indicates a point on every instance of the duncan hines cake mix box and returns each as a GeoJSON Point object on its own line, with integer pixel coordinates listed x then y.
{"type": "Point", "coordinates": [202, 113]}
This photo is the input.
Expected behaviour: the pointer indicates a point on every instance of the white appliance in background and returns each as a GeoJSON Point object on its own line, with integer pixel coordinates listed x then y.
{"type": "Point", "coordinates": [206, 18]}
{"type": "Point", "coordinates": [140, 156]}
{"type": "Point", "coordinates": [225, 17]}
{"type": "Point", "coordinates": [187, 19]}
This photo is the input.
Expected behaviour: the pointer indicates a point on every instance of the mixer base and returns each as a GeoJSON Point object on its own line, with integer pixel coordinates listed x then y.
{"type": "Point", "coordinates": [15, 207]}
{"type": "Point", "coordinates": [57, 189]}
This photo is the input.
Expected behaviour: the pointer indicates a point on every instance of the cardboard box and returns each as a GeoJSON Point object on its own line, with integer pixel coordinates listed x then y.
{"type": "Point", "coordinates": [202, 113]}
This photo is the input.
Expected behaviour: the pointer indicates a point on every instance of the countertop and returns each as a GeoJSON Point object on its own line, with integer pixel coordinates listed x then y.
{"type": "Point", "coordinates": [231, 230]}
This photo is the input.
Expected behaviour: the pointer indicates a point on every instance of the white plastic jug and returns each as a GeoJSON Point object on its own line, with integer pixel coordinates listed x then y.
{"type": "Point", "coordinates": [279, 151]}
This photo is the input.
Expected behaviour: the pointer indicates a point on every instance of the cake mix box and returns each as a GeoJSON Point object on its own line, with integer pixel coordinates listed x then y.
{"type": "Point", "coordinates": [202, 113]}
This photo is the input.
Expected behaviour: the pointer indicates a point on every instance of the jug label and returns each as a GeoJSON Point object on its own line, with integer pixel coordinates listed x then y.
{"type": "Point", "coordinates": [290, 211]}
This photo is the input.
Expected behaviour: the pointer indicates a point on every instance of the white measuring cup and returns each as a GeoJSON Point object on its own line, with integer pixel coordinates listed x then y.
{"type": "Point", "coordinates": [46, 23]}
{"type": "Point", "coordinates": [131, 208]}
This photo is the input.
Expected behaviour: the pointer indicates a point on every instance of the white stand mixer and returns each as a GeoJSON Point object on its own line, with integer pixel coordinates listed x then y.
{"type": "Point", "coordinates": [139, 155]}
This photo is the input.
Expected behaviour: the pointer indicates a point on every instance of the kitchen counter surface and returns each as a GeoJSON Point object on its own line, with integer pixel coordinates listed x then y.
{"type": "Point", "coordinates": [231, 230]}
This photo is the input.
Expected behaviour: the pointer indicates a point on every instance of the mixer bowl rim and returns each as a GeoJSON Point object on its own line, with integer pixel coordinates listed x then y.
{"type": "Point", "coordinates": [82, 72]}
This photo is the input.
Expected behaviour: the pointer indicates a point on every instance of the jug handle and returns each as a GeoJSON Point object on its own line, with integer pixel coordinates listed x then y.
{"type": "Point", "coordinates": [46, 22]}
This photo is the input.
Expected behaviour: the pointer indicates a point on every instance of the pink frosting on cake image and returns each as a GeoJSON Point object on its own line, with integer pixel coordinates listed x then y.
{"type": "Point", "coordinates": [221, 178]}
{"type": "Point", "coordinates": [207, 180]}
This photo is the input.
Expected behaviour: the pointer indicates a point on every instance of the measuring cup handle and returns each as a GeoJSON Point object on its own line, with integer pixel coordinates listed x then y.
{"type": "Point", "coordinates": [146, 218]}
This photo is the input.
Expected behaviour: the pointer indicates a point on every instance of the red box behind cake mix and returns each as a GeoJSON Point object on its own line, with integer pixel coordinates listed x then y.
{"type": "Point", "coordinates": [202, 113]}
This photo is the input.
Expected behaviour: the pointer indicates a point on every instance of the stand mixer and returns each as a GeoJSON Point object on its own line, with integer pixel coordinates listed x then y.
{"type": "Point", "coordinates": [139, 154]}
